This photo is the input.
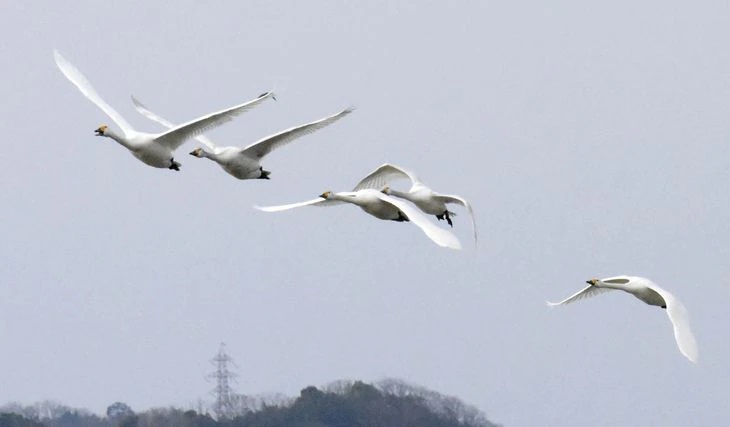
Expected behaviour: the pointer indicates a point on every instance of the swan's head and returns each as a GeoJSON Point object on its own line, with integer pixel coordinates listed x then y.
{"type": "Point", "coordinates": [198, 152]}
{"type": "Point", "coordinates": [101, 130]}
{"type": "Point", "coordinates": [326, 195]}
{"type": "Point", "coordinates": [593, 282]}
{"type": "Point", "coordinates": [385, 190]}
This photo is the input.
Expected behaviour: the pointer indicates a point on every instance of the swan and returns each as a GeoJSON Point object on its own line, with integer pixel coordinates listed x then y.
{"type": "Point", "coordinates": [244, 162]}
{"type": "Point", "coordinates": [647, 291]}
{"type": "Point", "coordinates": [152, 149]}
{"type": "Point", "coordinates": [380, 206]}
{"type": "Point", "coordinates": [419, 194]}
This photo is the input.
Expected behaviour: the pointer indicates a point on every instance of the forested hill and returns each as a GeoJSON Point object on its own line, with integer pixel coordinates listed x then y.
{"type": "Point", "coordinates": [389, 403]}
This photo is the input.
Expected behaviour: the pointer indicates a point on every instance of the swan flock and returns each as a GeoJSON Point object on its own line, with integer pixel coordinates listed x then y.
{"type": "Point", "coordinates": [374, 194]}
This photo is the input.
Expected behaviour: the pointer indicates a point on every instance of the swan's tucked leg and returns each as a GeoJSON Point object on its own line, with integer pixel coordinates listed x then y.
{"type": "Point", "coordinates": [446, 216]}
{"type": "Point", "coordinates": [401, 217]}
{"type": "Point", "coordinates": [264, 174]}
{"type": "Point", "coordinates": [174, 165]}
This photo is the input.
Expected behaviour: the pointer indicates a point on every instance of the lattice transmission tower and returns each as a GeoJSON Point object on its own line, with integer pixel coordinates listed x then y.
{"type": "Point", "coordinates": [223, 406]}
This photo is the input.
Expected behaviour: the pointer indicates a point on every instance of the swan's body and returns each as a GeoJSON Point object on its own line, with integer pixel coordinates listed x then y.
{"type": "Point", "coordinates": [419, 194]}
{"type": "Point", "coordinates": [244, 162]}
{"type": "Point", "coordinates": [232, 161]}
{"type": "Point", "coordinates": [648, 292]}
{"type": "Point", "coordinates": [380, 206]}
{"type": "Point", "coordinates": [154, 149]}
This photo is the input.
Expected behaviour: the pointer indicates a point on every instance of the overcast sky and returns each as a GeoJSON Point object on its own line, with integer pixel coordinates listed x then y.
{"type": "Point", "coordinates": [592, 139]}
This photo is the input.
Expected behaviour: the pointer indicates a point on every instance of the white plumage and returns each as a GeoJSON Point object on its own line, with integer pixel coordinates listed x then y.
{"type": "Point", "coordinates": [419, 194]}
{"type": "Point", "coordinates": [245, 162]}
{"type": "Point", "coordinates": [154, 149]}
{"type": "Point", "coordinates": [649, 292]}
{"type": "Point", "coordinates": [380, 206]}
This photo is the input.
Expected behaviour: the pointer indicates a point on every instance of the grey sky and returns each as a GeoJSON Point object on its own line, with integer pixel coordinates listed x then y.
{"type": "Point", "coordinates": [592, 140]}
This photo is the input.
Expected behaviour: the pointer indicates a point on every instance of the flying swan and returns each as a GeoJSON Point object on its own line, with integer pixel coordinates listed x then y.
{"type": "Point", "coordinates": [153, 149]}
{"type": "Point", "coordinates": [380, 206]}
{"type": "Point", "coordinates": [419, 194]}
{"type": "Point", "coordinates": [647, 291]}
{"type": "Point", "coordinates": [244, 162]}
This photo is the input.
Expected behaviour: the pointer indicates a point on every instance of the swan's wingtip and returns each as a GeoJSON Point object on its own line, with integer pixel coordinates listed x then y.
{"type": "Point", "coordinates": [691, 356]}
{"type": "Point", "coordinates": [450, 242]}
{"type": "Point", "coordinates": [454, 245]}
{"type": "Point", "coordinates": [268, 93]}
{"type": "Point", "coordinates": [58, 57]}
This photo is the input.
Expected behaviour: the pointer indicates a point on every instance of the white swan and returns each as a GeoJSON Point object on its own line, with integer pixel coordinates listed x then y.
{"type": "Point", "coordinates": [380, 206]}
{"type": "Point", "coordinates": [244, 162]}
{"type": "Point", "coordinates": [647, 291]}
{"type": "Point", "coordinates": [153, 149]}
{"type": "Point", "coordinates": [419, 194]}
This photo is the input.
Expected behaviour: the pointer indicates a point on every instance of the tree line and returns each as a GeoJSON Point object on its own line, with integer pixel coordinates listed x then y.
{"type": "Point", "coordinates": [386, 403]}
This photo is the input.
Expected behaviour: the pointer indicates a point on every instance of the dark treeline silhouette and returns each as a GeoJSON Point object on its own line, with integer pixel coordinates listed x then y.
{"type": "Point", "coordinates": [341, 404]}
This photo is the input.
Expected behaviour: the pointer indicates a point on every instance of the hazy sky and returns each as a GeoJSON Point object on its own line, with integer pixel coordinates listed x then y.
{"type": "Point", "coordinates": [592, 139]}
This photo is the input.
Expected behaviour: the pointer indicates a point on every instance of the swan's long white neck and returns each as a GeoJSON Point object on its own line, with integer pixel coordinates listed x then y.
{"type": "Point", "coordinates": [120, 139]}
{"type": "Point", "coordinates": [618, 286]}
{"type": "Point", "coordinates": [209, 155]}
{"type": "Point", "coordinates": [401, 194]}
{"type": "Point", "coordinates": [346, 199]}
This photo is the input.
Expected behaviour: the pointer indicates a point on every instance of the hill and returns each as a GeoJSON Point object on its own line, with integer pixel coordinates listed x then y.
{"type": "Point", "coordinates": [341, 404]}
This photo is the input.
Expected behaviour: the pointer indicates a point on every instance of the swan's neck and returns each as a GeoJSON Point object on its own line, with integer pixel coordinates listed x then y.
{"type": "Point", "coordinates": [619, 286]}
{"type": "Point", "coordinates": [401, 194]}
{"type": "Point", "coordinates": [120, 139]}
{"type": "Point", "coordinates": [209, 155]}
{"type": "Point", "coordinates": [346, 199]}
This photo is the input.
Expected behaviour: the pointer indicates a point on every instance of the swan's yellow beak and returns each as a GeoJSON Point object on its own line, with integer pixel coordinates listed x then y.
{"type": "Point", "coordinates": [592, 282]}
{"type": "Point", "coordinates": [325, 195]}
{"type": "Point", "coordinates": [101, 130]}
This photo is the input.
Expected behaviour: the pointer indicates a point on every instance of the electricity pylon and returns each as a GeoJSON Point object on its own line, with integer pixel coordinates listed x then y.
{"type": "Point", "coordinates": [223, 405]}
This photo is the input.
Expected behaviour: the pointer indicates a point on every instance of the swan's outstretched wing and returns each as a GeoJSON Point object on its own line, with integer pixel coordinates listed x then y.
{"type": "Point", "coordinates": [266, 145]}
{"type": "Point", "coordinates": [319, 201]}
{"type": "Point", "coordinates": [584, 293]}
{"type": "Point", "coordinates": [680, 321]}
{"type": "Point", "coordinates": [82, 83]}
{"type": "Point", "coordinates": [380, 177]}
{"type": "Point", "coordinates": [461, 201]}
{"type": "Point", "coordinates": [168, 124]}
{"type": "Point", "coordinates": [175, 137]}
{"type": "Point", "coordinates": [440, 236]}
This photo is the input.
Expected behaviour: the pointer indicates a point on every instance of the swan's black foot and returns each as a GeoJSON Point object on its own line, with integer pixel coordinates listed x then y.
{"type": "Point", "coordinates": [264, 174]}
{"type": "Point", "coordinates": [174, 165]}
{"type": "Point", "coordinates": [445, 216]}
{"type": "Point", "coordinates": [401, 217]}
{"type": "Point", "coordinates": [664, 307]}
